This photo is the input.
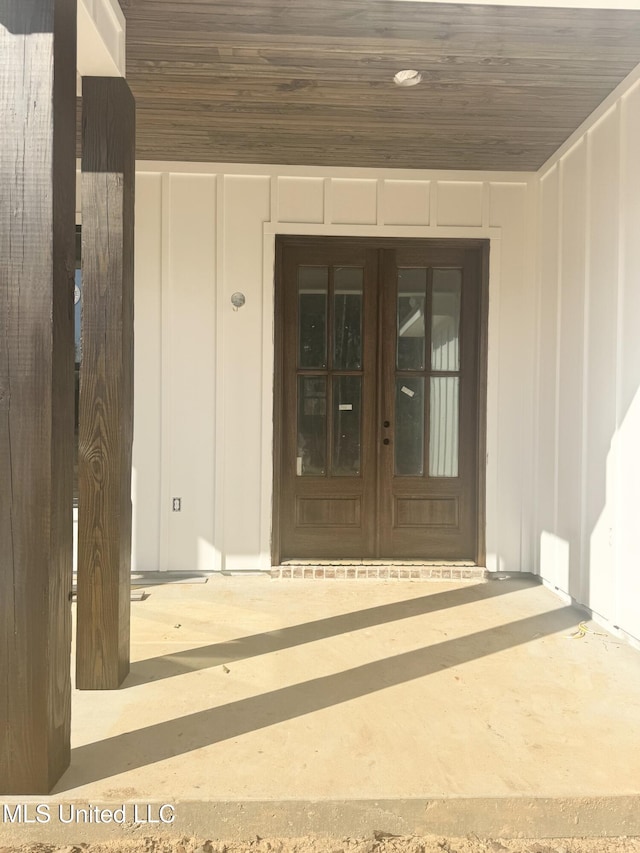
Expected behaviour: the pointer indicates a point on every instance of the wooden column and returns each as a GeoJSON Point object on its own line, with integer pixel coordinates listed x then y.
{"type": "Point", "coordinates": [106, 384]}
{"type": "Point", "coordinates": [37, 218]}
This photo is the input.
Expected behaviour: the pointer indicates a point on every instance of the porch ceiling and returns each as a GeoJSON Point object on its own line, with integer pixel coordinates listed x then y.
{"type": "Point", "coordinates": [278, 81]}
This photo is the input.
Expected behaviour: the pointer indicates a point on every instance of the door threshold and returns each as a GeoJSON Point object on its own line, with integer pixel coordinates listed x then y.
{"type": "Point", "coordinates": [374, 563]}
{"type": "Point", "coordinates": [397, 570]}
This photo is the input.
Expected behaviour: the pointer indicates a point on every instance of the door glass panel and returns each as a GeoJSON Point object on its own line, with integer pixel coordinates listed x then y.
{"type": "Point", "coordinates": [312, 426]}
{"type": "Point", "coordinates": [409, 427]}
{"type": "Point", "coordinates": [443, 427]}
{"type": "Point", "coordinates": [346, 425]}
{"type": "Point", "coordinates": [445, 320]}
{"type": "Point", "coordinates": [313, 287]}
{"type": "Point", "coordinates": [412, 294]}
{"type": "Point", "coordinates": [347, 348]}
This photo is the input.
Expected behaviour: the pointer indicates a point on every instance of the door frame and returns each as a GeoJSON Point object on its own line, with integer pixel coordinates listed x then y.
{"type": "Point", "coordinates": [382, 241]}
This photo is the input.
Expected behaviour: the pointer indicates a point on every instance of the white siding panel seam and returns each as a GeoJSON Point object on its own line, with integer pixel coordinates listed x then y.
{"type": "Point", "coordinates": [603, 246]}
{"type": "Point", "coordinates": [218, 508]}
{"type": "Point", "coordinates": [584, 544]}
{"type": "Point", "coordinates": [621, 280]}
{"type": "Point", "coordinates": [268, 331]}
{"type": "Point", "coordinates": [486, 204]}
{"type": "Point", "coordinates": [274, 191]}
{"type": "Point", "coordinates": [165, 373]}
{"type": "Point", "coordinates": [266, 304]}
{"type": "Point", "coordinates": [433, 204]}
{"type": "Point", "coordinates": [527, 557]}
{"type": "Point", "coordinates": [216, 371]}
{"type": "Point", "coordinates": [537, 379]}
{"type": "Point", "coordinates": [328, 199]}
{"type": "Point", "coordinates": [493, 467]}
{"type": "Point", "coordinates": [556, 484]}
{"type": "Point", "coordinates": [621, 277]}
{"type": "Point", "coordinates": [628, 418]}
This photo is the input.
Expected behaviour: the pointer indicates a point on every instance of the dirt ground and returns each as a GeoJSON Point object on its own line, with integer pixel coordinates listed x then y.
{"type": "Point", "coordinates": [378, 844]}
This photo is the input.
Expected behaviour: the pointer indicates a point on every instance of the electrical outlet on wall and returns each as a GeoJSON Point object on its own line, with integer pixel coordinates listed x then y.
{"type": "Point", "coordinates": [177, 504]}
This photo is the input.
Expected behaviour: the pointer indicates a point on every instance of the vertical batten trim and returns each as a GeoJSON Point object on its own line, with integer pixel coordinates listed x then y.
{"type": "Point", "coordinates": [527, 561]}
{"type": "Point", "coordinates": [621, 282]}
{"type": "Point", "coordinates": [584, 449]}
{"type": "Point", "coordinates": [165, 373]}
{"type": "Point", "coordinates": [382, 202]}
{"type": "Point", "coordinates": [219, 378]}
{"type": "Point", "coordinates": [274, 198]}
{"type": "Point", "coordinates": [556, 414]}
{"type": "Point", "coordinates": [622, 238]}
{"type": "Point", "coordinates": [486, 204]}
{"type": "Point", "coordinates": [379, 200]}
{"type": "Point", "coordinates": [264, 336]}
{"type": "Point", "coordinates": [268, 373]}
{"type": "Point", "coordinates": [433, 203]}
{"type": "Point", "coordinates": [214, 367]}
{"type": "Point", "coordinates": [328, 207]}
{"type": "Point", "coordinates": [537, 278]}
{"type": "Point", "coordinates": [492, 460]}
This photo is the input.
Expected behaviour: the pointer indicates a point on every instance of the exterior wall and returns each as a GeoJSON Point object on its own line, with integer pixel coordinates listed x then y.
{"type": "Point", "coordinates": [587, 449]}
{"type": "Point", "coordinates": [204, 373]}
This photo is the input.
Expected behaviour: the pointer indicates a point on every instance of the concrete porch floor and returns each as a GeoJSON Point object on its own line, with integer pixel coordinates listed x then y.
{"type": "Point", "coordinates": [293, 707]}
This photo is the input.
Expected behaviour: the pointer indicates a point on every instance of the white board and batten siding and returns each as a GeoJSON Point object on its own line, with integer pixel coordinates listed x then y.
{"type": "Point", "coordinates": [204, 372]}
{"type": "Point", "coordinates": [587, 504]}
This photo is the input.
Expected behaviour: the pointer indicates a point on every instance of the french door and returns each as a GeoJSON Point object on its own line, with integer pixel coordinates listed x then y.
{"type": "Point", "coordinates": [379, 387]}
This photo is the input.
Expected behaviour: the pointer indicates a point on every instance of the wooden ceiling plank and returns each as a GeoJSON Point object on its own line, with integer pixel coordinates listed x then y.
{"type": "Point", "coordinates": [255, 79]}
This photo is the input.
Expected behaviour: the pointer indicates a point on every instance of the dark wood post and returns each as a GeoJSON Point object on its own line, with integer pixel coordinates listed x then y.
{"type": "Point", "coordinates": [106, 384]}
{"type": "Point", "coordinates": [37, 219]}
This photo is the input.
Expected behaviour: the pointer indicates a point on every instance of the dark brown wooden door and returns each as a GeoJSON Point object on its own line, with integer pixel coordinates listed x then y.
{"type": "Point", "coordinates": [377, 395]}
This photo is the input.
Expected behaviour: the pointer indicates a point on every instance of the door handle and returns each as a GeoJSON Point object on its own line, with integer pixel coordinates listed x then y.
{"type": "Point", "coordinates": [387, 424]}
{"type": "Point", "coordinates": [386, 441]}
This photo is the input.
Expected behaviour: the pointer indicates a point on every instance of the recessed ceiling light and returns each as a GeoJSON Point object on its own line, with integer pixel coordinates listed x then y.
{"type": "Point", "coordinates": [408, 77]}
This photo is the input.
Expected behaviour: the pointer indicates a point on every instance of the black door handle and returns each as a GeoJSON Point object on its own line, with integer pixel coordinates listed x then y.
{"type": "Point", "coordinates": [387, 424]}
{"type": "Point", "coordinates": [385, 441]}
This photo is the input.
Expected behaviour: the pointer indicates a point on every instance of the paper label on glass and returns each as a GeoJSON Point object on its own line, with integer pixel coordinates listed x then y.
{"type": "Point", "coordinates": [408, 391]}
{"type": "Point", "coordinates": [345, 407]}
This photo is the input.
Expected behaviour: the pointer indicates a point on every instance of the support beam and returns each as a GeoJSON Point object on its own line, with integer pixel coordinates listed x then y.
{"type": "Point", "coordinates": [106, 384]}
{"type": "Point", "coordinates": [37, 214]}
